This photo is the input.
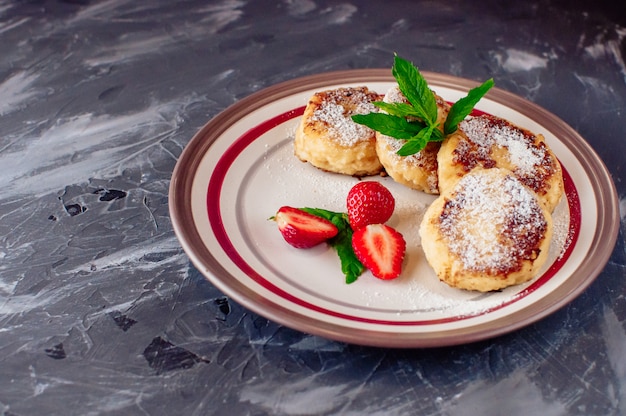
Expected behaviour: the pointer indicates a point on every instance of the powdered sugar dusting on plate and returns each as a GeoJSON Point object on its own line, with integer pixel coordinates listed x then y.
{"type": "Point", "coordinates": [417, 290]}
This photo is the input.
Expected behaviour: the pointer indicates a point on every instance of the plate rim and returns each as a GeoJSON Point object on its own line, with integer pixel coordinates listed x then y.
{"type": "Point", "coordinates": [605, 234]}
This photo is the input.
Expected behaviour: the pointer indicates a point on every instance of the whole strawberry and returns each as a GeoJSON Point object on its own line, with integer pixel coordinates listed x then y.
{"type": "Point", "coordinates": [369, 202]}
{"type": "Point", "coordinates": [303, 230]}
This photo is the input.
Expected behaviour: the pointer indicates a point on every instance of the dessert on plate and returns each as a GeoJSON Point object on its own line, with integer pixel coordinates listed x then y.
{"type": "Point", "coordinates": [498, 183]}
{"type": "Point", "coordinates": [419, 170]}
{"type": "Point", "coordinates": [488, 141]}
{"type": "Point", "coordinates": [486, 232]}
{"type": "Point", "coordinates": [327, 137]}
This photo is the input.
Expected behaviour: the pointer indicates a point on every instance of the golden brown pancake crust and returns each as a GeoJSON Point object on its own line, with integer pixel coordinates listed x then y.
{"type": "Point", "coordinates": [328, 138]}
{"type": "Point", "coordinates": [417, 171]}
{"type": "Point", "coordinates": [489, 141]}
{"type": "Point", "coordinates": [487, 232]}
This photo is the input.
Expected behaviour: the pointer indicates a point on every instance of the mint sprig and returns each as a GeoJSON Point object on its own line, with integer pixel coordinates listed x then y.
{"type": "Point", "coordinates": [394, 126]}
{"type": "Point", "coordinates": [351, 267]}
{"type": "Point", "coordinates": [416, 121]}
{"type": "Point", "coordinates": [464, 106]}
{"type": "Point", "coordinates": [415, 88]}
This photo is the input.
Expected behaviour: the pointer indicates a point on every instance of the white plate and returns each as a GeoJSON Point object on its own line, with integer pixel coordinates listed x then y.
{"type": "Point", "coordinates": [240, 168]}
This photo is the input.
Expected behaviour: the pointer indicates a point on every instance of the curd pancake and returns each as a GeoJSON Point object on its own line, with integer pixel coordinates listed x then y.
{"type": "Point", "coordinates": [327, 137]}
{"type": "Point", "coordinates": [489, 141]}
{"type": "Point", "coordinates": [417, 171]}
{"type": "Point", "coordinates": [487, 232]}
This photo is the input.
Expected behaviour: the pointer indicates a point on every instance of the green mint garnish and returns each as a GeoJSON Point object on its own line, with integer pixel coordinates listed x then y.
{"type": "Point", "coordinates": [416, 122]}
{"type": "Point", "coordinates": [394, 126]}
{"type": "Point", "coordinates": [415, 88]}
{"type": "Point", "coordinates": [464, 106]}
{"type": "Point", "coordinates": [351, 267]}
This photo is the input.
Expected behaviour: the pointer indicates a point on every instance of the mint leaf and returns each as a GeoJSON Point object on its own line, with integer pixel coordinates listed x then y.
{"type": "Point", "coordinates": [351, 267]}
{"type": "Point", "coordinates": [464, 106]}
{"type": "Point", "coordinates": [422, 106]}
{"type": "Point", "coordinates": [394, 126]}
{"type": "Point", "coordinates": [420, 140]}
{"type": "Point", "coordinates": [397, 109]}
{"type": "Point", "coordinates": [415, 88]}
{"type": "Point", "coordinates": [413, 146]}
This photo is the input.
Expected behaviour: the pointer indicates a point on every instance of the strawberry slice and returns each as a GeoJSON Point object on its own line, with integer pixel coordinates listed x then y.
{"type": "Point", "coordinates": [303, 230]}
{"type": "Point", "coordinates": [369, 202]}
{"type": "Point", "coordinates": [381, 249]}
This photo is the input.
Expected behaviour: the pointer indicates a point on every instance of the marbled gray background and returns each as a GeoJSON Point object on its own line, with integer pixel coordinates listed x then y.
{"type": "Point", "coordinates": [101, 311]}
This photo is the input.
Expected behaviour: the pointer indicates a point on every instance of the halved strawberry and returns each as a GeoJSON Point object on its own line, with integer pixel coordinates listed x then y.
{"type": "Point", "coordinates": [303, 230]}
{"type": "Point", "coordinates": [381, 249]}
{"type": "Point", "coordinates": [369, 202]}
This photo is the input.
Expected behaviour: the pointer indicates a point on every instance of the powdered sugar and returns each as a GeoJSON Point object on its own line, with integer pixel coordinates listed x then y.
{"type": "Point", "coordinates": [487, 132]}
{"type": "Point", "coordinates": [394, 95]}
{"type": "Point", "coordinates": [336, 109]}
{"type": "Point", "coordinates": [492, 223]}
